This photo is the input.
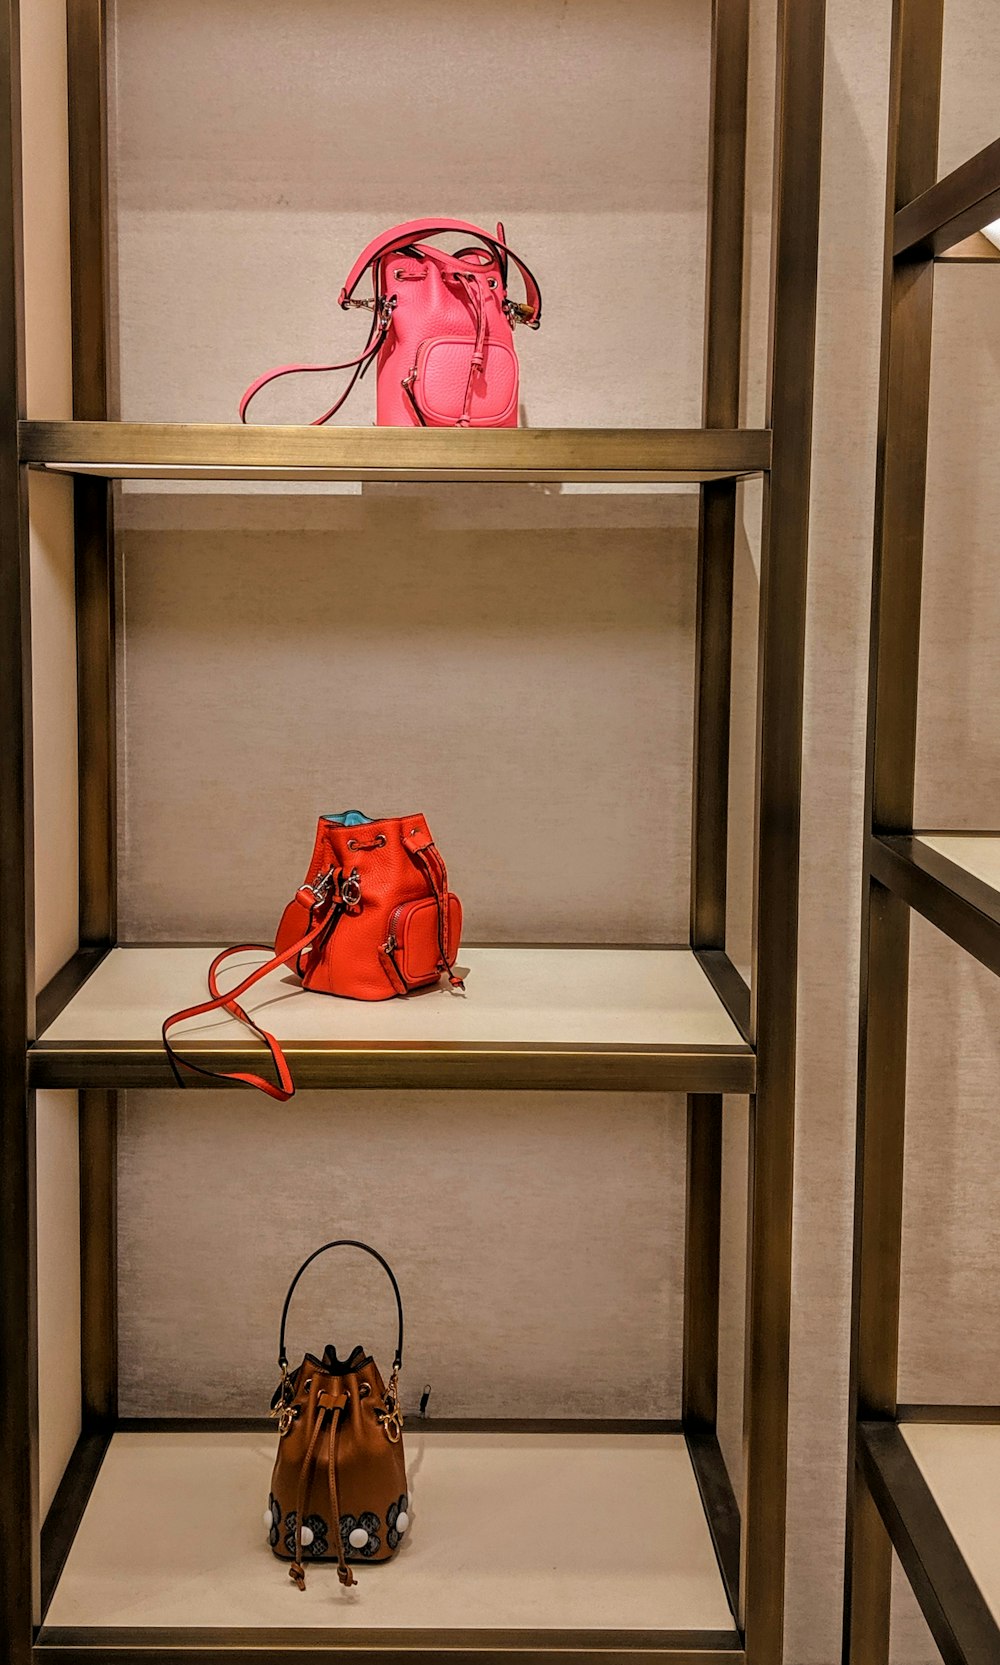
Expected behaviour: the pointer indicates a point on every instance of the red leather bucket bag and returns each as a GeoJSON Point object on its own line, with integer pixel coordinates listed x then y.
{"type": "Point", "coordinates": [442, 330]}
{"type": "Point", "coordinates": [373, 918]}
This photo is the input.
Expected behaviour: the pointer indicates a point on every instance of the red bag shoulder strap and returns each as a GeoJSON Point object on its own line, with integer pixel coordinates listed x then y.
{"type": "Point", "coordinates": [322, 910]}
{"type": "Point", "coordinates": [412, 230]}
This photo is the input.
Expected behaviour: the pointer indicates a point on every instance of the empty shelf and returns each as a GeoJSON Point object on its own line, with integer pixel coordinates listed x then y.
{"type": "Point", "coordinates": [215, 451]}
{"type": "Point", "coordinates": [961, 1464]}
{"type": "Point", "coordinates": [977, 853]}
{"type": "Point", "coordinates": [511, 1532]}
{"type": "Point", "coordinates": [533, 1017]}
{"type": "Point", "coordinates": [935, 1485]}
{"type": "Point", "coordinates": [953, 879]}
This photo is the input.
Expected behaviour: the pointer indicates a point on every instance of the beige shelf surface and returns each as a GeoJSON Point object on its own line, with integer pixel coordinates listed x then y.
{"type": "Point", "coordinates": [978, 853]}
{"type": "Point", "coordinates": [961, 1464]}
{"type": "Point", "coordinates": [527, 996]}
{"type": "Point", "coordinates": [221, 451]}
{"type": "Point", "coordinates": [509, 1531]}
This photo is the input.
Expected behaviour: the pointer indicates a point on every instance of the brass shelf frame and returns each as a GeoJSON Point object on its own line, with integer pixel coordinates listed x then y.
{"type": "Point", "coordinates": [749, 1531]}
{"type": "Point", "coordinates": [951, 210]}
{"type": "Point", "coordinates": [929, 222]}
{"type": "Point", "coordinates": [535, 1066]}
{"type": "Point", "coordinates": [963, 907]}
{"type": "Point", "coordinates": [217, 451]}
{"type": "Point", "coordinates": [391, 1067]}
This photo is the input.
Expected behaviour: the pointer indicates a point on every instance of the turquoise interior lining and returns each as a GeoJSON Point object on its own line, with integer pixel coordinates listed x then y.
{"type": "Point", "coordinates": [349, 818]}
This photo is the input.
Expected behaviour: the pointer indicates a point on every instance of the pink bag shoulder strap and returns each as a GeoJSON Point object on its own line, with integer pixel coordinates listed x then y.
{"type": "Point", "coordinates": [376, 336]}
{"type": "Point", "coordinates": [412, 230]}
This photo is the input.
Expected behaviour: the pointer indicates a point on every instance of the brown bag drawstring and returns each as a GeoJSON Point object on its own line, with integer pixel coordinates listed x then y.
{"type": "Point", "coordinates": [296, 1572]}
{"type": "Point", "coordinates": [344, 1572]}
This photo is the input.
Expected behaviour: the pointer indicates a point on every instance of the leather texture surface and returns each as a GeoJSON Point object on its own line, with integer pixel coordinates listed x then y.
{"type": "Point", "coordinates": [396, 862]}
{"type": "Point", "coordinates": [442, 371]}
{"type": "Point", "coordinates": [413, 927]}
{"type": "Point", "coordinates": [441, 330]}
{"type": "Point", "coordinates": [444, 304]}
{"type": "Point", "coordinates": [336, 1466]}
{"type": "Point", "coordinates": [337, 933]}
{"type": "Point", "coordinates": [338, 1489]}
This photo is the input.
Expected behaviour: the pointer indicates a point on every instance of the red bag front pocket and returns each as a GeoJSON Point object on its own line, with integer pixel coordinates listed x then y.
{"type": "Point", "coordinates": [414, 949]}
{"type": "Point", "coordinates": [442, 378]}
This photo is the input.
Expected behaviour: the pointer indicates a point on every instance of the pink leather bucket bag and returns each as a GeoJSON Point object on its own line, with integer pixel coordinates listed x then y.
{"type": "Point", "coordinates": [442, 331]}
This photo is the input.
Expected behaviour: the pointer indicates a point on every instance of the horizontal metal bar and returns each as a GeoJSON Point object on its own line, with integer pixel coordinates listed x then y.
{"type": "Point", "coordinates": [467, 942]}
{"type": "Point", "coordinates": [987, 1415]}
{"type": "Point", "coordinates": [719, 1503]}
{"type": "Point", "coordinates": [197, 451]}
{"type": "Point", "coordinates": [68, 981]}
{"type": "Point", "coordinates": [965, 908]}
{"type": "Point", "coordinates": [567, 1068]}
{"type": "Point", "coordinates": [952, 209]}
{"type": "Point", "coordinates": [729, 984]}
{"type": "Point", "coordinates": [67, 1507]}
{"type": "Point", "coordinates": [654, 1427]}
{"type": "Point", "coordinates": [976, 250]}
{"type": "Point", "coordinates": [950, 1599]}
{"type": "Point", "coordinates": [389, 1647]}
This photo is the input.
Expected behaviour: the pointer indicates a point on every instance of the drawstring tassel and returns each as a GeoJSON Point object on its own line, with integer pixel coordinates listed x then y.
{"type": "Point", "coordinates": [479, 348]}
{"type": "Point", "coordinates": [297, 1572]}
{"type": "Point", "coordinates": [344, 1572]}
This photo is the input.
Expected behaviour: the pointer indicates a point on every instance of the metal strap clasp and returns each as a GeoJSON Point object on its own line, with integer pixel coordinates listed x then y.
{"type": "Point", "coordinates": [391, 1417]}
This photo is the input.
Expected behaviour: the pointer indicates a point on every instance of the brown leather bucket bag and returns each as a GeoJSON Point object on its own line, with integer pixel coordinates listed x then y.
{"type": "Point", "coordinates": [338, 1491]}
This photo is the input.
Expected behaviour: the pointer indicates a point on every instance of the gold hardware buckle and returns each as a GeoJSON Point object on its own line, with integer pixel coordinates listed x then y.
{"type": "Point", "coordinates": [519, 313]}
{"type": "Point", "coordinates": [283, 1413]}
{"type": "Point", "coordinates": [391, 1417]}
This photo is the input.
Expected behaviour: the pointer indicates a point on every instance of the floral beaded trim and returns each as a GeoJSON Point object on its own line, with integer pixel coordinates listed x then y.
{"type": "Point", "coordinates": [316, 1532]}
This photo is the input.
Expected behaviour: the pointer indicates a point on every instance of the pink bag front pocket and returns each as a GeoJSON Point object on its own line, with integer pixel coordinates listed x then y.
{"type": "Point", "coordinates": [441, 382]}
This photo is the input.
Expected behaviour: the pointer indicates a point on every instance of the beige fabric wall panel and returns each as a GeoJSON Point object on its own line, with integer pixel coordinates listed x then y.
{"type": "Point", "coordinates": [53, 649]}
{"type": "Point", "coordinates": [258, 152]}
{"type": "Point", "coordinates": [515, 664]}
{"type": "Point", "coordinates": [958, 760]}
{"type": "Point", "coordinates": [538, 1241]}
{"type": "Point", "coordinates": [551, 637]}
{"type": "Point", "coordinates": [950, 1319]}
{"type": "Point", "coordinates": [910, 1640]}
{"type": "Point", "coordinates": [970, 97]}
{"type": "Point", "coordinates": [45, 186]}
{"type": "Point", "coordinates": [58, 1203]}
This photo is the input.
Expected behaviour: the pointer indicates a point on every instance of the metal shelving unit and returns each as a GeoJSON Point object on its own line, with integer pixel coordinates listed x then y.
{"type": "Point", "coordinates": [906, 1458]}
{"type": "Point", "coordinates": [206, 451]}
{"type": "Point", "coordinates": [694, 1024]}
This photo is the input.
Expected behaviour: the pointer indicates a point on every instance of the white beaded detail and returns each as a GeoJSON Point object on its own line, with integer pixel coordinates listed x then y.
{"type": "Point", "coordinates": [358, 1538]}
{"type": "Point", "coordinates": [268, 1519]}
{"type": "Point", "coordinates": [402, 1521]}
{"type": "Point", "coordinates": [307, 1536]}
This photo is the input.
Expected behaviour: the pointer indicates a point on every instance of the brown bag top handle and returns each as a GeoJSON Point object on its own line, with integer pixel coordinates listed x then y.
{"type": "Point", "coordinates": [343, 1243]}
